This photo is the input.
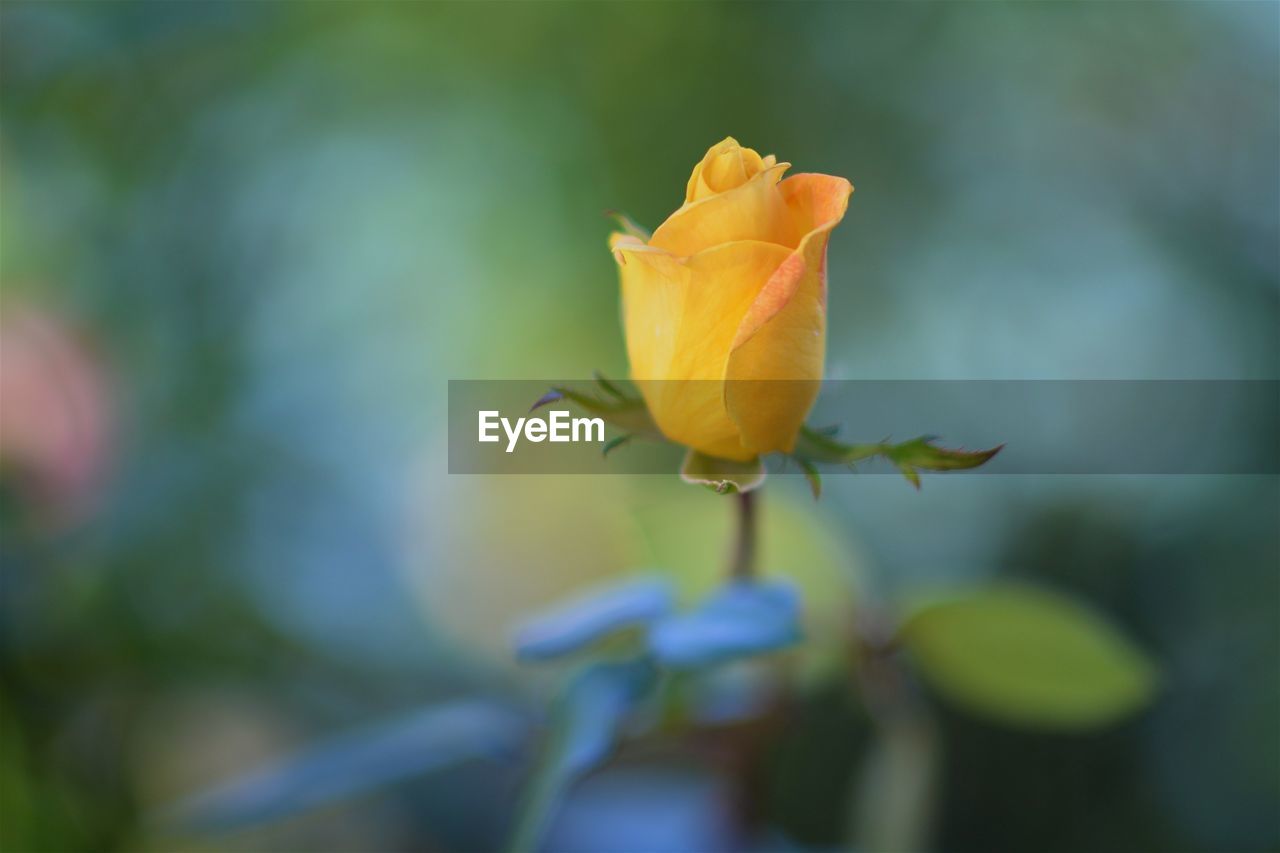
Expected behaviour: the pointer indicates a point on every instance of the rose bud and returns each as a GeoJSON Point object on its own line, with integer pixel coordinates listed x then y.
{"type": "Point", "coordinates": [725, 305]}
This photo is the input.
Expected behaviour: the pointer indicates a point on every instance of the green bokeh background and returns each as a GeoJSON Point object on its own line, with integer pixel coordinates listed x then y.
{"type": "Point", "coordinates": [278, 228]}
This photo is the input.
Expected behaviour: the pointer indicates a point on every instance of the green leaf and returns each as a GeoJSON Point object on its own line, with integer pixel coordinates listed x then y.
{"type": "Point", "coordinates": [910, 457]}
{"type": "Point", "coordinates": [722, 476]}
{"type": "Point", "coordinates": [1028, 657]}
{"type": "Point", "coordinates": [923, 453]}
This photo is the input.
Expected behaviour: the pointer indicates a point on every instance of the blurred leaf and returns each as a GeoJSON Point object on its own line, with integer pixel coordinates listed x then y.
{"type": "Point", "coordinates": [910, 457]}
{"type": "Point", "coordinates": [740, 619]}
{"type": "Point", "coordinates": [722, 476]}
{"type": "Point", "coordinates": [617, 402]}
{"type": "Point", "coordinates": [594, 708]}
{"type": "Point", "coordinates": [585, 724]}
{"type": "Point", "coordinates": [422, 742]}
{"type": "Point", "coordinates": [1029, 657]}
{"type": "Point", "coordinates": [738, 691]}
{"type": "Point", "coordinates": [590, 617]}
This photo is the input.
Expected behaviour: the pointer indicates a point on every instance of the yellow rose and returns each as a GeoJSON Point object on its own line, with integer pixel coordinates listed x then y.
{"type": "Point", "coordinates": [731, 290]}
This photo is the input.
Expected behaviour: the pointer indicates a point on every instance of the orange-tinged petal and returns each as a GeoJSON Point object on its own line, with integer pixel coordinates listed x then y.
{"type": "Point", "coordinates": [817, 204]}
{"type": "Point", "coordinates": [775, 368]}
{"type": "Point", "coordinates": [816, 201]}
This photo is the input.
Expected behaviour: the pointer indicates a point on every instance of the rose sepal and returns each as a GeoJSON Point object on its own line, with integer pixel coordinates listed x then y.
{"type": "Point", "coordinates": [618, 402]}
{"type": "Point", "coordinates": [722, 476]}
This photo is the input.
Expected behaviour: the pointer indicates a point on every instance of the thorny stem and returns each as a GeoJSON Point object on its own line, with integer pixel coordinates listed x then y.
{"type": "Point", "coordinates": [743, 565]}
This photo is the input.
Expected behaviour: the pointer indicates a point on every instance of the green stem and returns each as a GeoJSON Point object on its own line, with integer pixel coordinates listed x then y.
{"type": "Point", "coordinates": [893, 800]}
{"type": "Point", "coordinates": [743, 564]}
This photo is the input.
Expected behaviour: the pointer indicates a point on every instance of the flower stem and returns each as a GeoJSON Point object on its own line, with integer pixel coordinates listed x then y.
{"type": "Point", "coordinates": [743, 564]}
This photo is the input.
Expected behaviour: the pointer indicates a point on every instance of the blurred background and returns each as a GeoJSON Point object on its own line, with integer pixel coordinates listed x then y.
{"type": "Point", "coordinates": [244, 246]}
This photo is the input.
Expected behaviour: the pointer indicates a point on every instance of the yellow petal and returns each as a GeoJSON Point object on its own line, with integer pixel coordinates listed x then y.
{"type": "Point", "coordinates": [727, 165]}
{"type": "Point", "coordinates": [775, 367]}
{"type": "Point", "coordinates": [732, 195]}
{"type": "Point", "coordinates": [682, 317]}
{"type": "Point", "coordinates": [755, 210]}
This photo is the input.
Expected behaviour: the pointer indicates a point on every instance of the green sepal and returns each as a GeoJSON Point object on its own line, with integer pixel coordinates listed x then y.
{"type": "Point", "coordinates": [722, 476]}
{"type": "Point", "coordinates": [612, 388]}
{"type": "Point", "coordinates": [811, 475]}
{"type": "Point", "coordinates": [628, 225]}
{"type": "Point", "coordinates": [821, 446]}
{"type": "Point", "coordinates": [617, 402]}
{"type": "Point", "coordinates": [614, 443]}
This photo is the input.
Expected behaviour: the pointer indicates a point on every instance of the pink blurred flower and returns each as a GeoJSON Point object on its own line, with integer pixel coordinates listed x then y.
{"type": "Point", "coordinates": [56, 413]}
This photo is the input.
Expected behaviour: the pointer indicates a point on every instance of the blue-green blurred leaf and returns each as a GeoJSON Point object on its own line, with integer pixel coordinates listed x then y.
{"type": "Point", "coordinates": [1029, 657]}
{"type": "Point", "coordinates": [586, 722]}
{"type": "Point", "coordinates": [732, 693]}
{"type": "Point", "coordinates": [741, 618]}
{"type": "Point", "coordinates": [593, 710]}
{"type": "Point", "coordinates": [425, 741]}
{"type": "Point", "coordinates": [583, 621]}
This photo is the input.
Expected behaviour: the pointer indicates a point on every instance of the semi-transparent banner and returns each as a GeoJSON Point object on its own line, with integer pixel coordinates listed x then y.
{"type": "Point", "coordinates": [1046, 427]}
